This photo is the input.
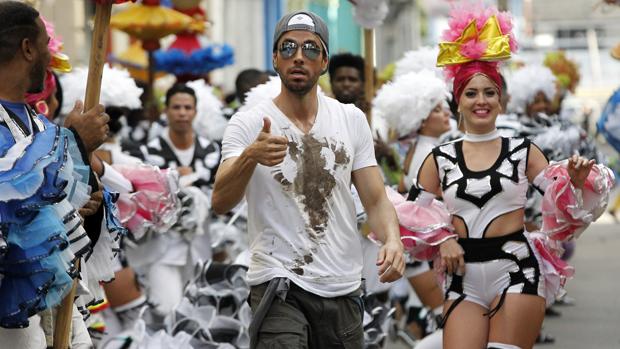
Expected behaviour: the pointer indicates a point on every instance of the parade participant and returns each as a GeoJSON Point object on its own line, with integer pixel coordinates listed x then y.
{"type": "Point", "coordinates": [119, 94]}
{"type": "Point", "coordinates": [294, 158]}
{"type": "Point", "coordinates": [178, 147]}
{"type": "Point", "coordinates": [167, 259]}
{"type": "Point", "coordinates": [346, 76]}
{"type": "Point", "coordinates": [532, 90]}
{"type": "Point", "coordinates": [414, 105]}
{"type": "Point", "coordinates": [46, 178]}
{"type": "Point", "coordinates": [607, 126]}
{"type": "Point", "coordinates": [483, 180]}
{"type": "Point", "coordinates": [567, 76]}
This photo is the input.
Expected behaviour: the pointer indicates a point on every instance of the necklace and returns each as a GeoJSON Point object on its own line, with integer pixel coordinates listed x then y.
{"type": "Point", "coordinates": [472, 137]}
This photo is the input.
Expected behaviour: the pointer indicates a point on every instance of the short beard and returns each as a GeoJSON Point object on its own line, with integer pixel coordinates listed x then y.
{"type": "Point", "coordinates": [300, 90]}
{"type": "Point", "coordinates": [37, 78]}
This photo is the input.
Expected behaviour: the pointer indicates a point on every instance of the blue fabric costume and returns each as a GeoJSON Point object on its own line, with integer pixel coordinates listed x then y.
{"type": "Point", "coordinates": [43, 181]}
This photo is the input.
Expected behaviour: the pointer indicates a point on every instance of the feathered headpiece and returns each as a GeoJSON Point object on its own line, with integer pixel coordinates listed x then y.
{"type": "Point", "coordinates": [417, 60]}
{"type": "Point", "coordinates": [209, 121]}
{"type": "Point", "coordinates": [564, 69]}
{"type": "Point", "coordinates": [477, 39]}
{"type": "Point", "coordinates": [118, 89]}
{"type": "Point", "coordinates": [405, 103]}
{"type": "Point", "coordinates": [526, 82]}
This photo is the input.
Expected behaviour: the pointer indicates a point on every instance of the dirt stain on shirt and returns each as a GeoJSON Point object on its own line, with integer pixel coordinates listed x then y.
{"type": "Point", "coordinates": [313, 184]}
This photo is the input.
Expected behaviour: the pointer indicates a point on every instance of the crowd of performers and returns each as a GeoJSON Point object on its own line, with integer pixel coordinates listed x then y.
{"type": "Point", "coordinates": [486, 173]}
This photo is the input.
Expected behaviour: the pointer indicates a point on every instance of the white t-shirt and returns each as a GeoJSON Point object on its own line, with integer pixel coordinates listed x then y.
{"type": "Point", "coordinates": [185, 156]}
{"type": "Point", "coordinates": [301, 215]}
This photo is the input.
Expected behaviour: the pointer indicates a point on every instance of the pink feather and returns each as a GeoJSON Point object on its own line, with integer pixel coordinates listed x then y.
{"type": "Point", "coordinates": [462, 13]}
{"type": "Point", "coordinates": [473, 49]}
{"type": "Point", "coordinates": [54, 45]}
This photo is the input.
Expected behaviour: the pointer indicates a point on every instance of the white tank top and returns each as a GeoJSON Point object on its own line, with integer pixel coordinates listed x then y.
{"type": "Point", "coordinates": [479, 197]}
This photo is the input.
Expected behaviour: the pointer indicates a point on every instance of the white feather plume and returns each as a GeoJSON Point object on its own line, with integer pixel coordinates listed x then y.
{"type": "Point", "coordinates": [408, 100]}
{"type": "Point", "coordinates": [117, 88]}
{"type": "Point", "coordinates": [416, 60]}
{"type": "Point", "coordinates": [269, 90]}
{"type": "Point", "coordinates": [370, 13]}
{"type": "Point", "coordinates": [525, 84]}
{"type": "Point", "coordinates": [209, 121]}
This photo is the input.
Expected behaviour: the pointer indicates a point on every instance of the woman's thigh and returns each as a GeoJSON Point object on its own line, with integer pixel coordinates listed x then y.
{"type": "Point", "coordinates": [467, 327]}
{"type": "Point", "coordinates": [518, 321]}
{"type": "Point", "coordinates": [426, 287]}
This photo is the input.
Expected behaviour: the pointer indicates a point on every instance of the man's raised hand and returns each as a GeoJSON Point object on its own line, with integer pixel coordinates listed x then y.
{"type": "Point", "coordinates": [267, 149]}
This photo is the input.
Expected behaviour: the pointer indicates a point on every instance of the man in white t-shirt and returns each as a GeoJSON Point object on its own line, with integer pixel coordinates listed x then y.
{"type": "Point", "coordinates": [179, 146]}
{"type": "Point", "coordinates": [294, 158]}
{"type": "Point", "coordinates": [165, 258]}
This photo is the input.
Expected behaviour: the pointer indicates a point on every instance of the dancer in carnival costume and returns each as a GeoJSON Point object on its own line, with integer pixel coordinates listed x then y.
{"type": "Point", "coordinates": [415, 106]}
{"type": "Point", "coordinates": [294, 159]}
{"type": "Point", "coordinates": [119, 94]}
{"type": "Point", "coordinates": [609, 126]}
{"type": "Point", "coordinates": [168, 258]}
{"type": "Point", "coordinates": [483, 180]}
{"type": "Point", "coordinates": [45, 181]}
{"type": "Point", "coordinates": [532, 90]}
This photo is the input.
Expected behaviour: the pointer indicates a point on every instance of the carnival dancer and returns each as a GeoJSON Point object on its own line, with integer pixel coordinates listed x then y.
{"type": "Point", "coordinates": [45, 182]}
{"type": "Point", "coordinates": [178, 147]}
{"type": "Point", "coordinates": [294, 158]}
{"type": "Point", "coordinates": [168, 258]}
{"type": "Point", "coordinates": [414, 105]}
{"type": "Point", "coordinates": [483, 180]}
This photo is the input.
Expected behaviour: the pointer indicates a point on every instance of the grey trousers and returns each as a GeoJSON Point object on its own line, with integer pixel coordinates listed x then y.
{"type": "Point", "coordinates": [301, 319]}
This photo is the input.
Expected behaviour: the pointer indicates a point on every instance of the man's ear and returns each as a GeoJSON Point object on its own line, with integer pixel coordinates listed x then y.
{"type": "Point", "coordinates": [324, 65]}
{"type": "Point", "coordinates": [27, 49]}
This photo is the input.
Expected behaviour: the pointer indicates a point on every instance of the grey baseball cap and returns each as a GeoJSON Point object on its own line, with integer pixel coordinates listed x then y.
{"type": "Point", "coordinates": [302, 20]}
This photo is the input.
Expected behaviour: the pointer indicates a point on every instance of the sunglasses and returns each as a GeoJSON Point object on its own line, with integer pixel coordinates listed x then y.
{"type": "Point", "coordinates": [309, 49]}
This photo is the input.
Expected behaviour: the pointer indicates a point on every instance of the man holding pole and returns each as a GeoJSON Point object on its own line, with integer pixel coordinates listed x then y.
{"type": "Point", "coordinates": [24, 57]}
{"type": "Point", "coordinates": [294, 158]}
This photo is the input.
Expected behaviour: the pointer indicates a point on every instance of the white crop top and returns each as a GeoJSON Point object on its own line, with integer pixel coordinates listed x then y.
{"type": "Point", "coordinates": [479, 197]}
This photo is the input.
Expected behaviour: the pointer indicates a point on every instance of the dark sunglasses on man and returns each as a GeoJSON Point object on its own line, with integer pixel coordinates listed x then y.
{"type": "Point", "coordinates": [309, 49]}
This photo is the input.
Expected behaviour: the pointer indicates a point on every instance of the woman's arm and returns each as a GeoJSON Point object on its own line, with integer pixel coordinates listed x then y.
{"type": "Point", "coordinates": [428, 177]}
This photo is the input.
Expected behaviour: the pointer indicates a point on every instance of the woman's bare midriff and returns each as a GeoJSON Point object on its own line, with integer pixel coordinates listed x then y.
{"type": "Point", "coordinates": [505, 224]}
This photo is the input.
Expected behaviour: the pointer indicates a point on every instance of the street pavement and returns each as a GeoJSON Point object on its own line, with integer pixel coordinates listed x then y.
{"type": "Point", "coordinates": [593, 322]}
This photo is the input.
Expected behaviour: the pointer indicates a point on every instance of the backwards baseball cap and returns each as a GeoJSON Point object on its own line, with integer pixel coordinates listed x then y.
{"type": "Point", "coordinates": [302, 20]}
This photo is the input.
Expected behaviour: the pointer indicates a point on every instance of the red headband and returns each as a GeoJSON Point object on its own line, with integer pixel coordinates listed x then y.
{"type": "Point", "coordinates": [468, 70]}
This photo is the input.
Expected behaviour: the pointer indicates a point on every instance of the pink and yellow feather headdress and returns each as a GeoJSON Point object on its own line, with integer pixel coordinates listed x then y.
{"type": "Point", "coordinates": [477, 39]}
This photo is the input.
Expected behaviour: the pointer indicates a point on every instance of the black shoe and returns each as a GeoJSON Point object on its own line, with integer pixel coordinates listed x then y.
{"type": "Point", "coordinates": [552, 312]}
{"type": "Point", "coordinates": [544, 339]}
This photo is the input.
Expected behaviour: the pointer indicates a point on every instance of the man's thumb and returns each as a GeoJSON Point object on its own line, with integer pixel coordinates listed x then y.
{"type": "Point", "coordinates": [266, 125]}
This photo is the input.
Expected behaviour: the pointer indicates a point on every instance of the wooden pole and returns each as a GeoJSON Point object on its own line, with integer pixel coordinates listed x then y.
{"type": "Point", "coordinates": [64, 317]}
{"type": "Point", "coordinates": [151, 105]}
{"type": "Point", "coordinates": [98, 51]}
{"type": "Point", "coordinates": [103, 11]}
{"type": "Point", "coordinates": [369, 71]}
